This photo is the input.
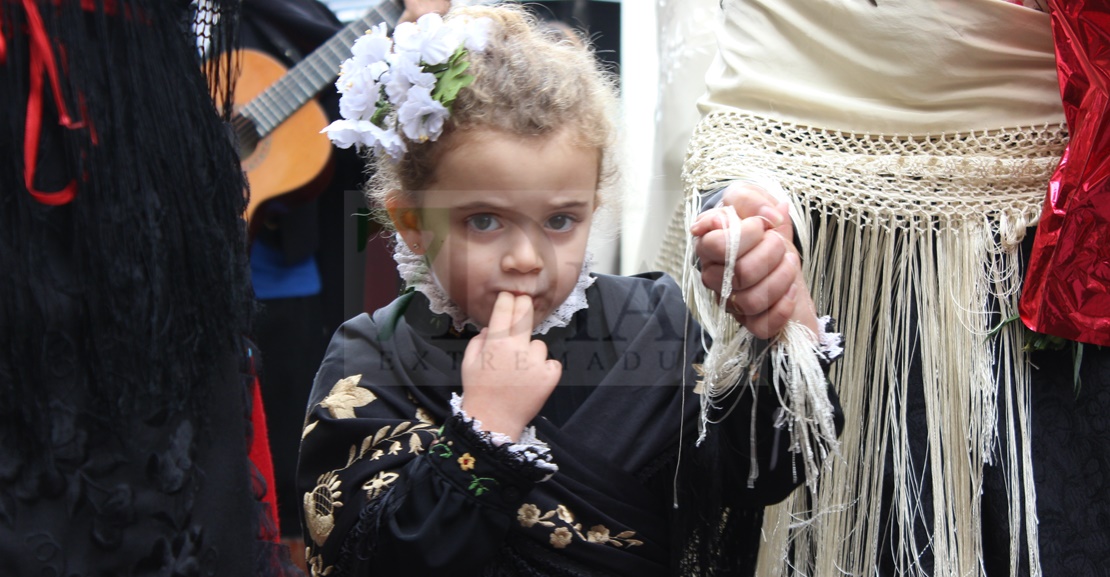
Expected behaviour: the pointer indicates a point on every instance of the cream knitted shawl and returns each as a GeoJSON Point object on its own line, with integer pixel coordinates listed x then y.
{"type": "Point", "coordinates": [911, 227]}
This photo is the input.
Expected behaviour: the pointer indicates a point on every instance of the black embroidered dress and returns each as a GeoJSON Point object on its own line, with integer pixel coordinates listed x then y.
{"type": "Point", "coordinates": [395, 484]}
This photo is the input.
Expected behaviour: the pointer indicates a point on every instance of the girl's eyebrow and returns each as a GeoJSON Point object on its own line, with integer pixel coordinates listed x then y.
{"type": "Point", "coordinates": [486, 204]}
{"type": "Point", "coordinates": [571, 204]}
{"type": "Point", "coordinates": [480, 204]}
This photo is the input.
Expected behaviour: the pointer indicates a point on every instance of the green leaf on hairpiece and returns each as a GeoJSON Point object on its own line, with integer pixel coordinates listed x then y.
{"type": "Point", "coordinates": [437, 69]}
{"type": "Point", "coordinates": [381, 110]}
{"type": "Point", "coordinates": [453, 79]}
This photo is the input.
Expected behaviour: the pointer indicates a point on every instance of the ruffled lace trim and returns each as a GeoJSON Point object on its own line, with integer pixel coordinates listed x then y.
{"type": "Point", "coordinates": [575, 302]}
{"type": "Point", "coordinates": [414, 270]}
{"type": "Point", "coordinates": [529, 450]}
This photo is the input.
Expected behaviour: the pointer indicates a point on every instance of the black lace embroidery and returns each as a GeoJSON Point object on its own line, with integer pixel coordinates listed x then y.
{"type": "Point", "coordinates": [360, 543]}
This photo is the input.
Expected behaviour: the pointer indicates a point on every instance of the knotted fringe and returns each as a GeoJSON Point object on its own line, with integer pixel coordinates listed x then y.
{"type": "Point", "coordinates": [915, 252]}
{"type": "Point", "coordinates": [735, 357]}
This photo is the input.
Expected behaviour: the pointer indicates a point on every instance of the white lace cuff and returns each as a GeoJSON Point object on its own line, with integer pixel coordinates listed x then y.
{"type": "Point", "coordinates": [528, 449]}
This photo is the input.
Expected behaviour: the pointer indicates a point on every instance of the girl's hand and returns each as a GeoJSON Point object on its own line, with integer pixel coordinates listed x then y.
{"type": "Point", "coordinates": [767, 285]}
{"type": "Point", "coordinates": [506, 375]}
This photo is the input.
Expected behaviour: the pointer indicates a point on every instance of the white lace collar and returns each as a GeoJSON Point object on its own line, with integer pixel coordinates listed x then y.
{"type": "Point", "coordinates": [416, 274]}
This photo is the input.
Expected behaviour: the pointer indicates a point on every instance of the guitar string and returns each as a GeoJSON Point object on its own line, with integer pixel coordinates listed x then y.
{"type": "Point", "coordinates": [270, 108]}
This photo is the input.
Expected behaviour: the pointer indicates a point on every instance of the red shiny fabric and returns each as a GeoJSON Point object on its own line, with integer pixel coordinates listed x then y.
{"type": "Point", "coordinates": [260, 456]}
{"type": "Point", "coordinates": [1067, 284]}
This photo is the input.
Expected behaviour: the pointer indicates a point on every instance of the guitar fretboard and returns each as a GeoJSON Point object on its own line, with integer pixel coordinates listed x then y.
{"type": "Point", "coordinates": [314, 72]}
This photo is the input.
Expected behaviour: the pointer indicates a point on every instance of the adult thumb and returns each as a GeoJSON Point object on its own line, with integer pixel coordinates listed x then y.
{"type": "Point", "coordinates": [786, 229]}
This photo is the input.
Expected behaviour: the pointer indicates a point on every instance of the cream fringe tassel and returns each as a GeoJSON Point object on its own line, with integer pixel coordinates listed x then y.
{"type": "Point", "coordinates": [736, 356]}
{"type": "Point", "coordinates": [924, 228]}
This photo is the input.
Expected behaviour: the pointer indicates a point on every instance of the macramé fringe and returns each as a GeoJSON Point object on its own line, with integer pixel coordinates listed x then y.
{"type": "Point", "coordinates": [736, 355]}
{"type": "Point", "coordinates": [915, 250]}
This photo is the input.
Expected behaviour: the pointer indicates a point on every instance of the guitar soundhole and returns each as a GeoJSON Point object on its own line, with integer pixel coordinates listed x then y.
{"type": "Point", "coordinates": [247, 134]}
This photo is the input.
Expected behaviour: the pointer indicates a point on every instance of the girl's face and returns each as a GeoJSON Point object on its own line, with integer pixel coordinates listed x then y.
{"type": "Point", "coordinates": [507, 213]}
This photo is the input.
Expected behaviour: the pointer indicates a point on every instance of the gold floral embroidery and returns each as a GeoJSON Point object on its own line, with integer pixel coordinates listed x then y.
{"type": "Point", "coordinates": [376, 486]}
{"type": "Point", "coordinates": [529, 516]}
{"type": "Point", "coordinates": [598, 534]}
{"type": "Point", "coordinates": [316, 564]}
{"type": "Point", "coordinates": [345, 396]}
{"type": "Point", "coordinates": [561, 537]}
{"type": "Point", "coordinates": [442, 448]}
{"type": "Point", "coordinates": [319, 507]}
{"type": "Point", "coordinates": [396, 437]}
{"type": "Point", "coordinates": [321, 502]}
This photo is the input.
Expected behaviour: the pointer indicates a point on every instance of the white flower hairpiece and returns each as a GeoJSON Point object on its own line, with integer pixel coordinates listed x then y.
{"type": "Point", "coordinates": [404, 85]}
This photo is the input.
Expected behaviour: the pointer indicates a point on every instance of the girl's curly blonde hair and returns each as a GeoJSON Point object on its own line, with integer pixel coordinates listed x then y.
{"type": "Point", "coordinates": [531, 80]}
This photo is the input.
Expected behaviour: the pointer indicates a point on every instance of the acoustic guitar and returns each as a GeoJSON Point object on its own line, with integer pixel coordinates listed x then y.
{"type": "Point", "coordinates": [278, 121]}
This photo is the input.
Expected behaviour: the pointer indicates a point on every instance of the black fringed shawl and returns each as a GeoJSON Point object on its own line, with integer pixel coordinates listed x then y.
{"type": "Point", "coordinates": [123, 294]}
{"type": "Point", "coordinates": [395, 485]}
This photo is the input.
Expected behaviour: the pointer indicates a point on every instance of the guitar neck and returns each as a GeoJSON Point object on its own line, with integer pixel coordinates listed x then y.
{"type": "Point", "coordinates": [270, 108]}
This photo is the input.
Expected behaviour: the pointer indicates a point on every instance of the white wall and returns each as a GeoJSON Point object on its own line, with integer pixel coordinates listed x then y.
{"type": "Point", "coordinates": [639, 95]}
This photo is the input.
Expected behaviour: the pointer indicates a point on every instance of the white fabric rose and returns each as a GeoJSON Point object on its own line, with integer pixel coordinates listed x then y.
{"type": "Point", "coordinates": [428, 38]}
{"type": "Point", "coordinates": [421, 116]}
{"type": "Point", "coordinates": [362, 90]}
{"type": "Point", "coordinates": [475, 33]}
{"type": "Point", "coordinates": [346, 133]}
{"type": "Point", "coordinates": [399, 66]}
{"type": "Point", "coordinates": [387, 141]}
{"type": "Point", "coordinates": [405, 72]}
{"type": "Point", "coordinates": [372, 47]}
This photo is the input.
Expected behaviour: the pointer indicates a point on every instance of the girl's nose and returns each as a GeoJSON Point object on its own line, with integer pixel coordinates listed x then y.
{"type": "Point", "coordinates": [523, 254]}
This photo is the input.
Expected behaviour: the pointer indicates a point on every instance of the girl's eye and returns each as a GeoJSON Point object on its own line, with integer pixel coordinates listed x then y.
{"type": "Point", "coordinates": [483, 223]}
{"type": "Point", "coordinates": [561, 222]}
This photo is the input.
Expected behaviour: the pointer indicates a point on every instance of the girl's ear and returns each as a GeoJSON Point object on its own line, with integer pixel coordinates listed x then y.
{"type": "Point", "coordinates": [406, 219]}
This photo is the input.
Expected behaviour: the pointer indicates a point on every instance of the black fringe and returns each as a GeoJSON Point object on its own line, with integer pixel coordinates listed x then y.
{"type": "Point", "coordinates": [715, 533]}
{"type": "Point", "coordinates": [141, 281]}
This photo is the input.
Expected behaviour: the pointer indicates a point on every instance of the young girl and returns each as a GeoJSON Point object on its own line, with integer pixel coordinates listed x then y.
{"type": "Point", "coordinates": [516, 414]}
